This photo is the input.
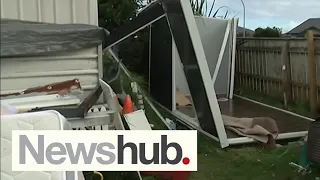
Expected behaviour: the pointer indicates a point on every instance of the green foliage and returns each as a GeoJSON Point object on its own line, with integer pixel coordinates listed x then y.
{"type": "Point", "coordinates": [268, 32]}
{"type": "Point", "coordinates": [113, 13]}
{"type": "Point", "coordinates": [199, 6]}
{"type": "Point", "coordinates": [260, 164]}
{"type": "Point", "coordinates": [133, 50]}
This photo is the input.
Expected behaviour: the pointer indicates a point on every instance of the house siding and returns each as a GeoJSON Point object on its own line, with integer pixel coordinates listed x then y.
{"type": "Point", "coordinates": [18, 74]}
{"type": "Point", "coordinates": [51, 11]}
{"type": "Point", "coordinates": [25, 72]}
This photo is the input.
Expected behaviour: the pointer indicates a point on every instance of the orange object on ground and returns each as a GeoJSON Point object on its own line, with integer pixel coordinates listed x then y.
{"type": "Point", "coordinates": [127, 105]}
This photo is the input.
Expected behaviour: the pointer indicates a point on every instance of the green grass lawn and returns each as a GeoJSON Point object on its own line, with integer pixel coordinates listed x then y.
{"type": "Point", "coordinates": [249, 162]}
{"type": "Point", "coordinates": [238, 163]}
{"type": "Point", "coordinates": [241, 162]}
{"type": "Point", "coordinates": [246, 163]}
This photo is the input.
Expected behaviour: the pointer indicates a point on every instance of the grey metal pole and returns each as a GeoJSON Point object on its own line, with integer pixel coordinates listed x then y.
{"type": "Point", "coordinates": [244, 19]}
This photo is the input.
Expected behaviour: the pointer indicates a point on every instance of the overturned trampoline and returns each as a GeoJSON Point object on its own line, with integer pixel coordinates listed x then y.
{"type": "Point", "coordinates": [191, 72]}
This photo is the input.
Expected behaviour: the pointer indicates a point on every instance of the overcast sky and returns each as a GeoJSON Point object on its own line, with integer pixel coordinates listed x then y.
{"type": "Point", "coordinates": [285, 14]}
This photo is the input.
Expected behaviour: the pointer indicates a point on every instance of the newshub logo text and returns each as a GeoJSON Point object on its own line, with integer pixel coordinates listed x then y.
{"type": "Point", "coordinates": [104, 150]}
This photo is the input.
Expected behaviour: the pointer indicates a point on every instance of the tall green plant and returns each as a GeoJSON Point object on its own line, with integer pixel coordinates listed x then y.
{"type": "Point", "coordinates": [200, 8]}
{"type": "Point", "coordinates": [114, 13]}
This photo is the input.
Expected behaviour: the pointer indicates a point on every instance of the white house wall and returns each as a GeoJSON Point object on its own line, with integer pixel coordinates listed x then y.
{"type": "Point", "coordinates": [26, 72]}
{"type": "Point", "coordinates": [51, 11]}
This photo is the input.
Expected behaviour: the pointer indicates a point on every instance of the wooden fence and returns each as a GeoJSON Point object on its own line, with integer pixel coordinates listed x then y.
{"type": "Point", "coordinates": [275, 66]}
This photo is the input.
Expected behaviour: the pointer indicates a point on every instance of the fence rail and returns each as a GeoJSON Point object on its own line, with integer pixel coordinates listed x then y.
{"type": "Point", "coordinates": [276, 65]}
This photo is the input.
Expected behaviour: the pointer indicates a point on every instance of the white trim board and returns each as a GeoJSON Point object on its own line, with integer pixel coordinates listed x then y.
{"type": "Point", "coordinates": [178, 71]}
{"type": "Point", "coordinates": [232, 24]}
{"type": "Point", "coordinates": [228, 28]}
{"type": "Point", "coordinates": [204, 70]}
{"type": "Point", "coordinates": [281, 136]}
{"type": "Point", "coordinates": [221, 53]}
{"type": "Point", "coordinates": [233, 57]}
{"type": "Point", "coordinates": [174, 107]}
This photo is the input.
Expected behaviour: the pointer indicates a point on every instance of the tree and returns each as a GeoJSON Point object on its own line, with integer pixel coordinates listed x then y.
{"type": "Point", "coordinates": [267, 32]}
{"type": "Point", "coordinates": [114, 13]}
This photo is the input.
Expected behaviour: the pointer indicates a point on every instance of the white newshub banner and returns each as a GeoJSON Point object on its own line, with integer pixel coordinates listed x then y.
{"type": "Point", "coordinates": [145, 150]}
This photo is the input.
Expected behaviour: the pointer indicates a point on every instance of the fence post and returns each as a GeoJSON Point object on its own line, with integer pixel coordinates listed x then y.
{"type": "Point", "coordinates": [286, 73]}
{"type": "Point", "coordinates": [312, 82]}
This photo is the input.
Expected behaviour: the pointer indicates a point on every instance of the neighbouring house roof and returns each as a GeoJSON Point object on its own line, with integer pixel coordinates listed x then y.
{"type": "Point", "coordinates": [310, 23]}
{"type": "Point", "coordinates": [240, 30]}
